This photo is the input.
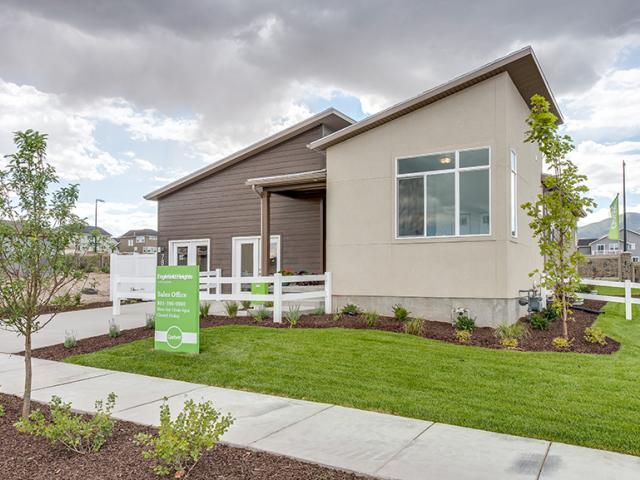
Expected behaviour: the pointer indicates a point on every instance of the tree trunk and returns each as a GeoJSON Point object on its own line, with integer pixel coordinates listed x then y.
{"type": "Point", "coordinates": [26, 403]}
{"type": "Point", "coordinates": [565, 330]}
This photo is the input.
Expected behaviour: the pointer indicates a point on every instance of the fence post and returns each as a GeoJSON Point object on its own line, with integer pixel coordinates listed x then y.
{"type": "Point", "coordinates": [218, 285]}
{"type": "Point", "coordinates": [113, 271]}
{"type": "Point", "coordinates": [627, 299]}
{"type": "Point", "coordinates": [327, 293]}
{"type": "Point", "coordinates": [277, 297]}
{"type": "Point", "coordinates": [115, 299]}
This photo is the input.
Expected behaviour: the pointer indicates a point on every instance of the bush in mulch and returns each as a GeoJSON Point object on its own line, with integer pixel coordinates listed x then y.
{"type": "Point", "coordinates": [23, 456]}
{"type": "Point", "coordinates": [533, 340]}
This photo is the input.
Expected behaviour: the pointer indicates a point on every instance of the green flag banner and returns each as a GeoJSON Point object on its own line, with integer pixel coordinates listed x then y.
{"type": "Point", "coordinates": [178, 309]}
{"type": "Point", "coordinates": [614, 228]}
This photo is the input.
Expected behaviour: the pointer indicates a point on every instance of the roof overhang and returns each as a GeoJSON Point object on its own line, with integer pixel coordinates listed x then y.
{"type": "Point", "coordinates": [331, 117]}
{"type": "Point", "coordinates": [522, 66]}
{"type": "Point", "coordinates": [298, 182]}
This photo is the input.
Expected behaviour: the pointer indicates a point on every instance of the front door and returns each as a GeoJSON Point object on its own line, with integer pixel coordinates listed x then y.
{"type": "Point", "coordinates": [246, 259]}
{"type": "Point", "coordinates": [190, 252]}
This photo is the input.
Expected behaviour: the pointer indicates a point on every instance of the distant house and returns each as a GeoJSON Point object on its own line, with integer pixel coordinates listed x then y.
{"type": "Point", "coordinates": [605, 246]}
{"type": "Point", "coordinates": [95, 239]}
{"type": "Point", "coordinates": [139, 241]}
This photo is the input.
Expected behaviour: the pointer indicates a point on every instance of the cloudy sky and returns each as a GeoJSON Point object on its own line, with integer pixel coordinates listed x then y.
{"type": "Point", "coordinates": [136, 93]}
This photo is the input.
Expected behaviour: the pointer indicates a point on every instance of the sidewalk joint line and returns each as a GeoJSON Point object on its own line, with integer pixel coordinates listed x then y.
{"type": "Point", "coordinates": [73, 381]}
{"type": "Point", "coordinates": [404, 447]}
{"type": "Point", "coordinates": [544, 460]}
{"type": "Point", "coordinates": [161, 398]}
{"type": "Point", "coordinates": [292, 424]}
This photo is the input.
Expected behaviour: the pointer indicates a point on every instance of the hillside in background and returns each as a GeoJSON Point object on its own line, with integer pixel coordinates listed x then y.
{"type": "Point", "coordinates": [598, 229]}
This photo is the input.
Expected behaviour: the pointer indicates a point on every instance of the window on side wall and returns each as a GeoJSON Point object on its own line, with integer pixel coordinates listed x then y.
{"type": "Point", "coordinates": [130, 242]}
{"type": "Point", "coordinates": [514, 194]}
{"type": "Point", "coordinates": [444, 194]}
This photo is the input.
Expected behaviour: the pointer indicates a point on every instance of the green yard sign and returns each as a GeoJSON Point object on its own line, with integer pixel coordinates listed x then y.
{"type": "Point", "coordinates": [259, 288]}
{"type": "Point", "coordinates": [178, 309]}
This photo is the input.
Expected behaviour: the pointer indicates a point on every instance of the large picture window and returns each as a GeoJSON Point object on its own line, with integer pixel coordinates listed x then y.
{"type": "Point", "coordinates": [445, 194]}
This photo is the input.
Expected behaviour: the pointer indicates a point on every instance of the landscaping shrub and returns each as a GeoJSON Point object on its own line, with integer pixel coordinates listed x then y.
{"type": "Point", "coordinates": [66, 300]}
{"type": "Point", "coordinates": [509, 335]}
{"type": "Point", "coordinates": [1, 411]}
{"type": "Point", "coordinates": [400, 313]}
{"type": "Point", "coordinates": [72, 430]}
{"type": "Point", "coordinates": [539, 322]}
{"type": "Point", "coordinates": [318, 311]}
{"type": "Point", "coordinates": [180, 443]}
{"type": "Point", "coordinates": [465, 322]}
{"type": "Point", "coordinates": [371, 318]}
{"type": "Point", "coordinates": [350, 309]}
{"type": "Point", "coordinates": [584, 289]}
{"type": "Point", "coordinates": [260, 314]}
{"type": "Point", "coordinates": [70, 339]}
{"type": "Point", "coordinates": [114, 329]}
{"type": "Point", "coordinates": [561, 343]}
{"type": "Point", "coordinates": [292, 315]}
{"type": "Point", "coordinates": [463, 336]}
{"type": "Point", "coordinates": [246, 304]}
{"type": "Point", "coordinates": [268, 304]}
{"type": "Point", "coordinates": [150, 321]}
{"type": "Point", "coordinates": [551, 313]}
{"type": "Point", "coordinates": [595, 335]}
{"type": "Point", "coordinates": [414, 326]}
{"type": "Point", "coordinates": [231, 307]}
{"type": "Point", "coordinates": [204, 309]}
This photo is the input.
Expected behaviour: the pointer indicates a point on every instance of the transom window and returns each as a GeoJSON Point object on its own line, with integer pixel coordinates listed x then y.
{"type": "Point", "coordinates": [444, 194]}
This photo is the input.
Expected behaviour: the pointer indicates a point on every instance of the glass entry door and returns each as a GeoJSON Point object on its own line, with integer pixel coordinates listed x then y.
{"type": "Point", "coordinates": [190, 252]}
{"type": "Point", "coordinates": [246, 259]}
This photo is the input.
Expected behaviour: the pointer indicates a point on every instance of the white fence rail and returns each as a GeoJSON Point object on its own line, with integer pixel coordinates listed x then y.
{"type": "Point", "coordinates": [143, 288]}
{"type": "Point", "coordinates": [627, 285]}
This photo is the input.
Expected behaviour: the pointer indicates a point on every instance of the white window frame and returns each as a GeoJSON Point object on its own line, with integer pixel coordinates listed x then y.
{"type": "Point", "coordinates": [598, 249]}
{"type": "Point", "coordinates": [635, 259]}
{"type": "Point", "coordinates": [631, 246]}
{"type": "Point", "coordinates": [513, 159]}
{"type": "Point", "coordinates": [257, 254]}
{"type": "Point", "coordinates": [130, 242]}
{"type": "Point", "coordinates": [614, 247]}
{"type": "Point", "coordinates": [188, 243]}
{"type": "Point", "coordinates": [456, 170]}
{"type": "Point", "coordinates": [138, 237]}
{"type": "Point", "coordinates": [152, 238]}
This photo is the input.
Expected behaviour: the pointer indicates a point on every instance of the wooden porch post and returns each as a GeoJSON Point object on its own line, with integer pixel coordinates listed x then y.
{"type": "Point", "coordinates": [265, 232]}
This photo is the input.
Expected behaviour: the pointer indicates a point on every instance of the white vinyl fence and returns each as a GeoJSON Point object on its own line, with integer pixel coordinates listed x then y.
{"type": "Point", "coordinates": [135, 279]}
{"type": "Point", "coordinates": [627, 285]}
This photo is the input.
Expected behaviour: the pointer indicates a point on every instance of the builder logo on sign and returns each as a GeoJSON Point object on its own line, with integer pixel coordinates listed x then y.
{"type": "Point", "coordinates": [177, 309]}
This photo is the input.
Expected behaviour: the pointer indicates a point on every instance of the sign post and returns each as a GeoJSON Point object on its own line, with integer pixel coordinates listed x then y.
{"type": "Point", "coordinates": [178, 309]}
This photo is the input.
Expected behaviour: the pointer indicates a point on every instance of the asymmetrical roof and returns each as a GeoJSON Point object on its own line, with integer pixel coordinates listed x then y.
{"type": "Point", "coordinates": [607, 235]}
{"type": "Point", "coordinates": [90, 228]}
{"type": "Point", "coordinates": [522, 66]}
{"type": "Point", "coordinates": [331, 117]}
{"type": "Point", "coordinates": [135, 233]}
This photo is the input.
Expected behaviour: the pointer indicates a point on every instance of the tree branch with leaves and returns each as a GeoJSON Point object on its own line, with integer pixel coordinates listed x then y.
{"type": "Point", "coordinates": [557, 209]}
{"type": "Point", "coordinates": [37, 226]}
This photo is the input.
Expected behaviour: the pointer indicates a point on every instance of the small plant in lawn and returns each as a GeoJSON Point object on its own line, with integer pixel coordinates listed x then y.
{"type": "Point", "coordinates": [150, 321]}
{"type": "Point", "coordinates": [539, 322]}
{"type": "Point", "coordinates": [231, 308]}
{"type": "Point", "coordinates": [260, 314]}
{"type": "Point", "coordinates": [246, 304]}
{"type": "Point", "coordinates": [414, 326]}
{"type": "Point", "coordinates": [180, 443]}
{"type": "Point", "coordinates": [561, 343]}
{"type": "Point", "coordinates": [595, 335]}
{"type": "Point", "coordinates": [74, 431]}
{"type": "Point", "coordinates": [204, 309]}
{"type": "Point", "coordinates": [292, 315]}
{"type": "Point", "coordinates": [465, 322]}
{"type": "Point", "coordinates": [114, 328]}
{"type": "Point", "coordinates": [509, 335]}
{"type": "Point", "coordinates": [463, 336]}
{"type": "Point", "coordinates": [70, 339]}
{"type": "Point", "coordinates": [371, 318]}
{"type": "Point", "coordinates": [350, 309]}
{"type": "Point", "coordinates": [400, 313]}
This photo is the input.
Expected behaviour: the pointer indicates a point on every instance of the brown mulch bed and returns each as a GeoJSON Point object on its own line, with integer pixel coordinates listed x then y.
{"type": "Point", "coordinates": [535, 341]}
{"type": "Point", "coordinates": [83, 306]}
{"type": "Point", "coordinates": [23, 456]}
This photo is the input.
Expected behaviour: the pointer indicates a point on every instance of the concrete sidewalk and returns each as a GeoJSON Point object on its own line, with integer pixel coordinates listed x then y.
{"type": "Point", "coordinates": [372, 443]}
{"type": "Point", "coordinates": [83, 323]}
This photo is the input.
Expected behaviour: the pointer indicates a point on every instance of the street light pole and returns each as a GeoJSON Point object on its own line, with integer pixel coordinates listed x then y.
{"type": "Point", "coordinates": [95, 221]}
{"type": "Point", "coordinates": [624, 207]}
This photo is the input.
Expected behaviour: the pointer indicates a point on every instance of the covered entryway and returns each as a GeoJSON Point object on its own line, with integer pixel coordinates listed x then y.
{"type": "Point", "coordinates": [246, 255]}
{"type": "Point", "coordinates": [310, 183]}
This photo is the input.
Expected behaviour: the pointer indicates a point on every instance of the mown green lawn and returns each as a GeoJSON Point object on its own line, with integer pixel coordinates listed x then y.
{"type": "Point", "coordinates": [581, 399]}
{"type": "Point", "coordinates": [617, 291]}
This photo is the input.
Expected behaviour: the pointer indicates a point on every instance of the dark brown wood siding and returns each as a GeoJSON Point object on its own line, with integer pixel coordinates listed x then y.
{"type": "Point", "coordinates": [221, 207]}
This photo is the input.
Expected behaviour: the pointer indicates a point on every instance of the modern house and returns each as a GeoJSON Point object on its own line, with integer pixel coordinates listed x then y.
{"type": "Point", "coordinates": [605, 246]}
{"type": "Point", "coordinates": [139, 241]}
{"type": "Point", "coordinates": [95, 239]}
{"type": "Point", "coordinates": [417, 204]}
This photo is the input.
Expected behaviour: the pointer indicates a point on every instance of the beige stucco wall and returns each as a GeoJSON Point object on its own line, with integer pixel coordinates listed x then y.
{"type": "Point", "coordinates": [362, 252]}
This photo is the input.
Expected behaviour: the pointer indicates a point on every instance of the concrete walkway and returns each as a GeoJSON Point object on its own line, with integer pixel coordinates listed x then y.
{"type": "Point", "coordinates": [83, 323]}
{"type": "Point", "coordinates": [382, 445]}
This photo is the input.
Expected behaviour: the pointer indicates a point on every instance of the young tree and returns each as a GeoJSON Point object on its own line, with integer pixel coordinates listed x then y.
{"type": "Point", "coordinates": [556, 211]}
{"type": "Point", "coordinates": [37, 226]}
